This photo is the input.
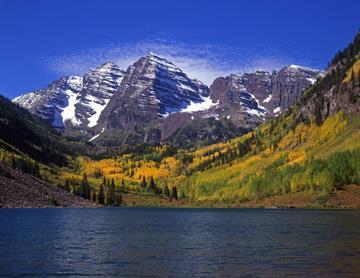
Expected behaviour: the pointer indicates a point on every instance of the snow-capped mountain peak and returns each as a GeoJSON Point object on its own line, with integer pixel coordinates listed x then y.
{"type": "Point", "coordinates": [75, 101]}
{"type": "Point", "coordinates": [57, 103]}
{"type": "Point", "coordinates": [153, 83]}
{"type": "Point", "coordinates": [152, 89]}
{"type": "Point", "coordinates": [310, 74]}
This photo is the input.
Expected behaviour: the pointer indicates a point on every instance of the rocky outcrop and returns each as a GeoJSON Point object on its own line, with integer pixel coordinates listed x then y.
{"type": "Point", "coordinates": [231, 91]}
{"type": "Point", "coordinates": [338, 90]}
{"type": "Point", "coordinates": [334, 94]}
{"type": "Point", "coordinates": [260, 84]}
{"type": "Point", "coordinates": [236, 103]}
{"type": "Point", "coordinates": [290, 82]}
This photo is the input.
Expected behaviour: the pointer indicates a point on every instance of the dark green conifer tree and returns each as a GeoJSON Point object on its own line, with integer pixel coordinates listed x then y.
{"type": "Point", "coordinates": [93, 195]}
{"type": "Point", "coordinates": [85, 188]}
{"type": "Point", "coordinates": [67, 185]}
{"type": "Point", "coordinates": [143, 183]}
{"type": "Point", "coordinates": [118, 198]}
{"type": "Point", "coordinates": [110, 193]}
{"type": "Point", "coordinates": [152, 185]}
{"type": "Point", "coordinates": [174, 194]}
{"type": "Point", "coordinates": [36, 170]}
{"type": "Point", "coordinates": [123, 185]}
{"type": "Point", "coordinates": [167, 191]}
{"type": "Point", "coordinates": [132, 172]}
{"type": "Point", "coordinates": [101, 195]}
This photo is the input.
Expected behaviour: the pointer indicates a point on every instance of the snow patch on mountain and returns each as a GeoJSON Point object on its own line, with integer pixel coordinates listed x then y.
{"type": "Point", "coordinates": [69, 112]}
{"type": "Point", "coordinates": [96, 106]}
{"type": "Point", "coordinates": [206, 104]}
{"type": "Point", "coordinates": [267, 99]}
{"type": "Point", "coordinates": [97, 135]}
{"type": "Point", "coordinates": [277, 110]}
{"type": "Point", "coordinates": [262, 109]}
{"type": "Point", "coordinates": [312, 80]}
{"type": "Point", "coordinates": [75, 100]}
{"type": "Point", "coordinates": [255, 112]}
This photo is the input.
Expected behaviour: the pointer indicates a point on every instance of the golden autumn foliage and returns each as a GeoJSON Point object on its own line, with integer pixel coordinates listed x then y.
{"type": "Point", "coordinates": [353, 72]}
{"type": "Point", "coordinates": [304, 143]}
{"type": "Point", "coordinates": [224, 172]}
{"type": "Point", "coordinates": [273, 160]}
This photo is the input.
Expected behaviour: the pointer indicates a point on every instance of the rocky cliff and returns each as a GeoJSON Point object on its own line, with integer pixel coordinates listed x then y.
{"type": "Point", "coordinates": [274, 92]}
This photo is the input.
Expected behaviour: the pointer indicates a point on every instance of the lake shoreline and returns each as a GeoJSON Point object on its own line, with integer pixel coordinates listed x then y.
{"type": "Point", "coordinates": [348, 198]}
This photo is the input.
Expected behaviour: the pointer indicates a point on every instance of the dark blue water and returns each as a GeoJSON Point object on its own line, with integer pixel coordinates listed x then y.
{"type": "Point", "coordinates": [179, 242]}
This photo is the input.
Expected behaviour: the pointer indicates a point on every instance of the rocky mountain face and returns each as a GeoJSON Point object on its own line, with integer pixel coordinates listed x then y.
{"type": "Point", "coordinates": [73, 104]}
{"type": "Point", "coordinates": [339, 89]}
{"type": "Point", "coordinates": [274, 92]}
{"type": "Point", "coordinates": [50, 103]}
{"type": "Point", "coordinates": [154, 101]}
{"type": "Point", "coordinates": [157, 86]}
{"type": "Point", "coordinates": [152, 89]}
{"type": "Point", "coordinates": [290, 82]}
{"type": "Point", "coordinates": [232, 95]}
{"type": "Point", "coordinates": [99, 85]}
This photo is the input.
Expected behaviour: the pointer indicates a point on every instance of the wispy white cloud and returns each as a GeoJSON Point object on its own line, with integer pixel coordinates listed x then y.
{"type": "Point", "coordinates": [201, 61]}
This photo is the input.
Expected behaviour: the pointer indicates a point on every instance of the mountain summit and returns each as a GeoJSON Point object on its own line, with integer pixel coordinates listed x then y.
{"type": "Point", "coordinates": [152, 89]}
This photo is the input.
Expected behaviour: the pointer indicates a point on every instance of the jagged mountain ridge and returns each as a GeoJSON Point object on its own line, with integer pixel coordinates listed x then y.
{"type": "Point", "coordinates": [50, 103]}
{"type": "Point", "coordinates": [152, 89]}
{"type": "Point", "coordinates": [156, 102]}
{"type": "Point", "coordinates": [157, 83]}
{"type": "Point", "coordinates": [154, 99]}
{"type": "Point", "coordinates": [274, 92]}
{"type": "Point", "coordinates": [74, 103]}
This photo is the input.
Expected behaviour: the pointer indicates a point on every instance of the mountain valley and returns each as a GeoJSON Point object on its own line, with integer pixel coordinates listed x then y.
{"type": "Point", "coordinates": [153, 133]}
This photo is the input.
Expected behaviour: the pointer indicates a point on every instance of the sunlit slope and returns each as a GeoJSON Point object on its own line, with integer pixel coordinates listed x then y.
{"type": "Point", "coordinates": [257, 165]}
{"type": "Point", "coordinates": [293, 153]}
{"type": "Point", "coordinates": [353, 72]}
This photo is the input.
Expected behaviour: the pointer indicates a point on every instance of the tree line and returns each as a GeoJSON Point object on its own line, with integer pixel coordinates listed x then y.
{"type": "Point", "coordinates": [106, 194]}
{"type": "Point", "coordinates": [153, 188]}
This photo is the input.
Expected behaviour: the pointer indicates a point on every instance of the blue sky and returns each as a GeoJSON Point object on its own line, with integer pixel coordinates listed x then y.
{"type": "Point", "coordinates": [41, 40]}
